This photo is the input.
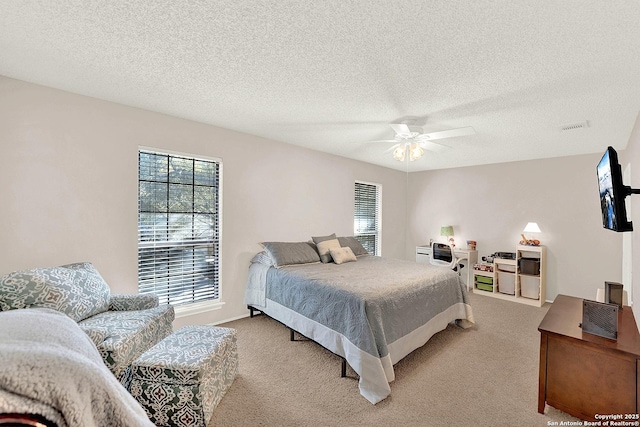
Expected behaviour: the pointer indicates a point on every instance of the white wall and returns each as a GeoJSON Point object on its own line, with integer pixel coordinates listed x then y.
{"type": "Point", "coordinates": [630, 158]}
{"type": "Point", "coordinates": [68, 192]}
{"type": "Point", "coordinates": [68, 188]}
{"type": "Point", "coordinates": [492, 204]}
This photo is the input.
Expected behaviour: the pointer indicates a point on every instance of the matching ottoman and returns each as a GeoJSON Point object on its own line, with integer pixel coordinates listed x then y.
{"type": "Point", "coordinates": [182, 379]}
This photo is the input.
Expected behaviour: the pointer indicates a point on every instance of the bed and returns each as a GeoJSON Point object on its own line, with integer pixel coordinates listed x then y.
{"type": "Point", "coordinates": [372, 312]}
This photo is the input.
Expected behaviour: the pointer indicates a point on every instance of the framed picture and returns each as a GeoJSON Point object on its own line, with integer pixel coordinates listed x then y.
{"type": "Point", "coordinates": [599, 318]}
{"type": "Point", "coordinates": [613, 293]}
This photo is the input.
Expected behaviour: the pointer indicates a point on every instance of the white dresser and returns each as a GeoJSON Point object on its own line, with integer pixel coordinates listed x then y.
{"type": "Point", "coordinates": [470, 257]}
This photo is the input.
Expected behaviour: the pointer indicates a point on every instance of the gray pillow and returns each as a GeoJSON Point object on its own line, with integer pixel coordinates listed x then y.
{"type": "Point", "coordinates": [76, 290]}
{"type": "Point", "coordinates": [342, 255]}
{"type": "Point", "coordinates": [319, 239]}
{"type": "Point", "coordinates": [289, 253]}
{"type": "Point", "coordinates": [354, 244]}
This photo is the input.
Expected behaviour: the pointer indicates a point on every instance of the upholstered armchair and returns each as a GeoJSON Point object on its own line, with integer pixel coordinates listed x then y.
{"type": "Point", "coordinates": [121, 326]}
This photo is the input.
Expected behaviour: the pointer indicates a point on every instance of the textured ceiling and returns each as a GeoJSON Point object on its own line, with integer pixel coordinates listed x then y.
{"type": "Point", "coordinates": [331, 75]}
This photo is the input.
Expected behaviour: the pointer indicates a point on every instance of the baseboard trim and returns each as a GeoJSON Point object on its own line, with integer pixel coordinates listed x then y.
{"type": "Point", "coordinates": [242, 316]}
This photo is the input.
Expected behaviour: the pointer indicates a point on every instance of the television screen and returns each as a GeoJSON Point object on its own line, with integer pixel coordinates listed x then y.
{"type": "Point", "coordinates": [612, 193]}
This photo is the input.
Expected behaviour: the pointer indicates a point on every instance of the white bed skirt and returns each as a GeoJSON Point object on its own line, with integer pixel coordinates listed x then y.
{"type": "Point", "coordinates": [375, 372]}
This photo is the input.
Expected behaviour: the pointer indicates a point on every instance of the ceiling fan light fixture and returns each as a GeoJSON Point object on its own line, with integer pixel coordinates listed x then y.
{"type": "Point", "coordinates": [415, 151]}
{"type": "Point", "coordinates": [409, 142]}
{"type": "Point", "coordinates": [399, 153]}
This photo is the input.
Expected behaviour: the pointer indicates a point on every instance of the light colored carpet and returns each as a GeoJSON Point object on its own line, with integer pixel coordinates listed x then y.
{"type": "Point", "coordinates": [483, 376]}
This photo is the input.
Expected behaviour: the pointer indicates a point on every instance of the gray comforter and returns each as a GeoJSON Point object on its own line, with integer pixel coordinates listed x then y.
{"type": "Point", "coordinates": [384, 307]}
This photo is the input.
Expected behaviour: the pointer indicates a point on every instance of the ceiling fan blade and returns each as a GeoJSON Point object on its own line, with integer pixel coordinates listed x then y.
{"type": "Point", "coordinates": [383, 140]}
{"type": "Point", "coordinates": [433, 146]}
{"type": "Point", "coordinates": [390, 149]}
{"type": "Point", "coordinates": [450, 133]}
{"type": "Point", "coordinates": [400, 128]}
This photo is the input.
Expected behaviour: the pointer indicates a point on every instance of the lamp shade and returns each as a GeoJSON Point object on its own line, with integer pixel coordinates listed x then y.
{"type": "Point", "coordinates": [415, 152]}
{"type": "Point", "coordinates": [531, 227]}
{"type": "Point", "coordinates": [447, 231]}
{"type": "Point", "coordinates": [399, 152]}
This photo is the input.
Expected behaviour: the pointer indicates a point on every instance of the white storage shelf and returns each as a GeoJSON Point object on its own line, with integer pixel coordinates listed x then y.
{"type": "Point", "coordinates": [509, 283]}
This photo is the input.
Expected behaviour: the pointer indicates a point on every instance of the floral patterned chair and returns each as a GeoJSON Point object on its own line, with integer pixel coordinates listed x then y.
{"type": "Point", "coordinates": [123, 327]}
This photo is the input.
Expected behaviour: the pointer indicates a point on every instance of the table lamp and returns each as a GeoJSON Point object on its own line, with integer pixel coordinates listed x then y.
{"type": "Point", "coordinates": [447, 231]}
{"type": "Point", "coordinates": [531, 227]}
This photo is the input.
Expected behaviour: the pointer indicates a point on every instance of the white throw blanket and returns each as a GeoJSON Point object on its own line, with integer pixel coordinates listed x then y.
{"type": "Point", "coordinates": [50, 367]}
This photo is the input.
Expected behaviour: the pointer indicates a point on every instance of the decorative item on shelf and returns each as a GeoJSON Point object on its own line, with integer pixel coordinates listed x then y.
{"type": "Point", "coordinates": [488, 259]}
{"type": "Point", "coordinates": [531, 227]}
{"type": "Point", "coordinates": [471, 245]}
{"type": "Point", "coordinates": [503, 255]}
{"type": "Point", "coordinates": [483, 267]}
{"type": "Point", "coordinates": [447, 231]}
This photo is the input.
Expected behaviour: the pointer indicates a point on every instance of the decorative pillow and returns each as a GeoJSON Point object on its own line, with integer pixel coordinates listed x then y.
{"type": "Point", "coordinates": [262, 258]}
{"type": "Point", "coordinates": [325, 247]}
{"type": "Point", "coordinates": [324, 257]}
{"type": "Point", "coordinates": [76, 290]}
{"type": "Point", "coordinates": [342, 255]}
{"type": "Point", "coordinates": [354, 244]}
{"type": "Point", "coordinates": [289, 253]}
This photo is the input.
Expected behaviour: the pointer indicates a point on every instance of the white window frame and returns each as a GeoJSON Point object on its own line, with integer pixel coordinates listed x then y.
{"type": "Point", "coordinates": [193, 308]}
{"type": "Point", "coordinates": [377, 233]}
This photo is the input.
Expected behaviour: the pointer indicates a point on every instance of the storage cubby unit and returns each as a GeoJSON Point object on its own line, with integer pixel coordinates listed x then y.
{"type": "Point", "coordinates": [505, 271]}
{"type": "Point", "coordinates": [483, 280]}
{"type": "Point", "coordinates": [521, 280]}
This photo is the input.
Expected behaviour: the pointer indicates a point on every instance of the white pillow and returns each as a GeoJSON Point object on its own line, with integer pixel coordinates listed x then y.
{"type": "Point", "coordinates": [325, 247]}
{"type": "Point", "coordinates": [342, 255]}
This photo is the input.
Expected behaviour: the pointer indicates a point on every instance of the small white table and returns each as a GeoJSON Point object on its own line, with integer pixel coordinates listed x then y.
{"type": "Point", "coordinates": [423, 253]}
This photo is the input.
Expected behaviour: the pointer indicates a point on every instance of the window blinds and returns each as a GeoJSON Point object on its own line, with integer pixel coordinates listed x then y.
{"type": "Point", "coordinates": [366, 217]}
{"type": "Point", "coordinates": [178, 227]}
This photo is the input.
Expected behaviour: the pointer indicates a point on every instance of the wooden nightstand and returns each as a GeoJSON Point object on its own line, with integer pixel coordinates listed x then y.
{"type": "Point", "coordinates": [584, 374]}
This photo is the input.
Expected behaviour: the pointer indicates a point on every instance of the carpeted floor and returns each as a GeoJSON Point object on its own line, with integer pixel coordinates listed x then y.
{"type": "Point", "coordinates": [483, 376]}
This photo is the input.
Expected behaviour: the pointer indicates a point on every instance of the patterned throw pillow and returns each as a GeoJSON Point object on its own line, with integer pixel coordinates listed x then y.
{"type": "Point", "coordinates": [77, 290]}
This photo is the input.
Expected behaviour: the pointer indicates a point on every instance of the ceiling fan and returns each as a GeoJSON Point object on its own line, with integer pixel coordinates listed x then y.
{"type": "Point", "coordinates": [415, 143]}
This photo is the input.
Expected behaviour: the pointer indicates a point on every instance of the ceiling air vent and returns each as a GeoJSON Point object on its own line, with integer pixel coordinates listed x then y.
{"type": "Point", "coordinates": [574, 126]}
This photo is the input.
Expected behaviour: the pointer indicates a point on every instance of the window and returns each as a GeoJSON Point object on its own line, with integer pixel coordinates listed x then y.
{"type": "Point", "coordinates": [178, 227]}
{"type": "Point", "coordinates": [366, 216]}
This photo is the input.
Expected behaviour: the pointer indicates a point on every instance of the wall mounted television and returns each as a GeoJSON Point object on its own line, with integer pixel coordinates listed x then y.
{"type": "Point", "coordinates": [613, 193]}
